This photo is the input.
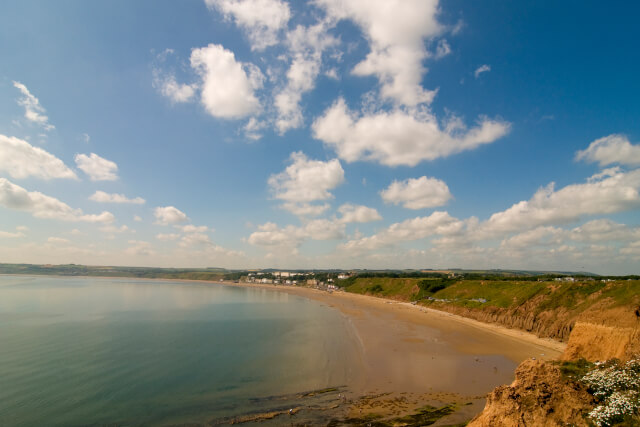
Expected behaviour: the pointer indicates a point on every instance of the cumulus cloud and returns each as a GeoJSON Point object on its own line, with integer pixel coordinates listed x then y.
{"type": "Point", "coordinates": [604, 230]}
{"type": "Point", "coordinates": [21, 160]}
{"type": "Point", "coordinates": [399, 137]}
{"type": "Point", "coordinates": [33, 111]}
{"type": "Point", "coordinates": [167, 215]}
{"type": "Point", "coordinates": [611, 149]}
{"type": "Point", "coordinates": [438, 223]}
{"type": "Point", "coordinates": [58, 241]}
{"type": "Point", "coordinates": [113, 229]}
{"type": "Point", "coordinates": [139, 247]}
{"type": "Point", "coordinates": [306, 45]}
{"type": "Point", "coordinates": [11, 235]}
{"type": "Point", "coordinates": [306, 180]}
{"type": "Point", "coordinates": [442, 49]}
{"type": "Point", "coordinates": [227, 85]}
{"type": "Point", "coordinates": [190, 228]}
{"type": "Point", "coordinates": [396, 31]}
{"type": "Point", "coordinates": [96, 167]}
{"type": "Point", "coordinates": [481, 69]}
{"type": "Point", "coordinates": [305, 209]}
{"type": "Point", "coordinates": [616, 192]}
{"type": "Point", "coordinates": [195, 239]}
{"type": "Point", "coordinates": [419, 193]}
{"type": "Point", "coordinates": [102, 197]}
{"type": "Point", "coordinates": [289, 238]}
{"type": "Point", "coordinates": [358, 213]}
{"type": "Point", "coordinates": [39, 205]}
{"type": "Point", "coordinates": [261, 19]}
{"type": "Point", "coordinates": [167, 236]}
{"type": "Point", "coordinates": [540, 236]}
{"type": "Point", "coordinates": [169, 87]}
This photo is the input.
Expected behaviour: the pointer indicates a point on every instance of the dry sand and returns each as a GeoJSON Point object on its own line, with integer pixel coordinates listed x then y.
{"type": "Point", "coordinates": [412, 356]}
{"type": "Point", "coordinates": [409, 348]}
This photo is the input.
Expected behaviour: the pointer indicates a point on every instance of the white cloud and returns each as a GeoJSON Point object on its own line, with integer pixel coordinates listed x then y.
{"type": "Point", "coordinates": [21, 160]}
{"type": "Point", "coordinates": [632, 249]}
{"type": "Point", "coordinates": [33, 111]}
{"type": "Point", "coordinates": [358, 213]}
{"type": "Point", "coordinates": [137, 218]}
{"type": "Point", "coordinates": [400, 138]}
{"type": "Point", "coordinates": [438, 223]}
{"type": "Point", "coordinates": [261, 19]}
{"type": "Point", "coordinates": [227, 85]}
{"type": "Point", "coordinates": [442, 49]}
{"type": "Point", "coordinates": [195, 239]}
{"type": "Point", "coordinates": [417, 193]}
{"type": "Point", "coordinates": [253, 128]}
{"type": "Point", "coordinates": [481, 69]}
{"type": "Point", "coordinates": [96, 167]}
{"type": "Point", "coordinates": [305, 209]}
{"type": "Point", "coordinates": [616, 192]}
{"type": "Point", "coordinates": [10, 235]}
{"type": "Point", "coordinates": [102, 197]}
{"type": "Point", "coordinates": [139, 247]}
{"type": "Point", "coordinates": [58, 241]}
{"type": "Point", "coordinates": [169, 215]}
{"type": "Point", "coordinates": [396, 31]}
{"type": "Point", "coordinates": [306, 45]}
{"type": "Point", "coordinates": [289, 238]}
{"type": "Point", "coordinates": [544, 236]}
{"type": "Point", "coordinates": [193, 228]}
{"type": "Point", "coordinates": [306, 180]}
{"type": "Point", "coordinates": [22, 228]}
{"type": "Point", "coordinates": [604, 230]}
{"type": "Point", "coordinates": [169, 87]}
{"type": "Point", "coordinates": [167, 237]}
{"type": "Point", "coordinates": [41, 206]}
{"type": "Point", "coordinates": [611, 149]}
{"type": "Point", "coordinates": [113, 229]}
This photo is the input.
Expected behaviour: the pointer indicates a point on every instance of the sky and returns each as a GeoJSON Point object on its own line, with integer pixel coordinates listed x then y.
{"type": "Point", "coordinates": [378, 134]}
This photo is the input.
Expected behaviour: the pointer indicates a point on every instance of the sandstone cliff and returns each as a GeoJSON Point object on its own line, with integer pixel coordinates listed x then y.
{"type": "Point", "coordinates": [537, 397]}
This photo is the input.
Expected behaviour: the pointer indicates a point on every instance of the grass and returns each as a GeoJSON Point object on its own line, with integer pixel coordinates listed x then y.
{"type": "Point", "coordinates": [398, 288]}
{"type": "Point", "coordinates": [574, 297]}
{"type": "Point", "coordinates": [574, 369]}
{"type": "Point", "coordinates": [503, 294]}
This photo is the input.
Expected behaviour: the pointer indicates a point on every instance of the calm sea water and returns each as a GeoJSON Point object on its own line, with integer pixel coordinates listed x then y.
{"type": "Point", "coordinates": [78, 351]}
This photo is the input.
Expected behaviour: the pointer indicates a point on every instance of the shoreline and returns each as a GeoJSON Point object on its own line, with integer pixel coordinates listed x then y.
{"type": "Point", "coordinates": [320, 295]}
{"type": "Point", "coordinates": [411, 355]}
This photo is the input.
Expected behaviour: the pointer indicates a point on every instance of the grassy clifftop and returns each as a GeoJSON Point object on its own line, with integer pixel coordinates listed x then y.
{"type": "Point", "coordinates": [548, 308]}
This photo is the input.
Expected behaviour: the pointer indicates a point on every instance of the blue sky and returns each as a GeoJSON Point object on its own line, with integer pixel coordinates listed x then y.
{"type": "Point", "coordinates": [321, 134]}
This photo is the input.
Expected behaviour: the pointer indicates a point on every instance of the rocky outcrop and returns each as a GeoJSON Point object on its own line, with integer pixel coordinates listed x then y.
{"type": "Point", "coordinates": [538, 396]}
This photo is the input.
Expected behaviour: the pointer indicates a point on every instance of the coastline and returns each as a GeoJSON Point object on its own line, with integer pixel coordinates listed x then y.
{"type": "Point", "coordinates": [389, 304]}
{"type": "Point", "coordinates": [413, 356]}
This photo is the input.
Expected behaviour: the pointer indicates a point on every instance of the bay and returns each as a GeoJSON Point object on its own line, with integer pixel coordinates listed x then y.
{"type": "Point", "coordinates": [94, 351]}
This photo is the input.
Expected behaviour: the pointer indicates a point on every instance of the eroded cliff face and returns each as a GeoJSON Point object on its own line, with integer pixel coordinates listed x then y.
{"type": "Point", "coordinates": [605, 334]}
{"type": "Point", "coordinates": [538, 396]}
{"type": "Point", "coordinates": [556, 324]}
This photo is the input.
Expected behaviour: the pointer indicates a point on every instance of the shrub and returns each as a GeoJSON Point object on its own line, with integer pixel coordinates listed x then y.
{"type": "Point", "coordinates": [617, 387]}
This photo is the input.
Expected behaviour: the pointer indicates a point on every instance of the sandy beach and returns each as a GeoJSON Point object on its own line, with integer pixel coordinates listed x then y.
{"type": "Point", "coordinates": [412, 355]}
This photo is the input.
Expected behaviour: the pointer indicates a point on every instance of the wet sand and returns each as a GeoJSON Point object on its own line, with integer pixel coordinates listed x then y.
{"type": "Point", "coordinates": [412, 356]}
{"type": "Point", "coordinates": [409, 348]}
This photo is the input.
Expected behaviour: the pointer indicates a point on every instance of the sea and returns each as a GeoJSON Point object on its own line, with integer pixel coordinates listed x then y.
{"type": "Point", "coordinates": [126, 352]}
